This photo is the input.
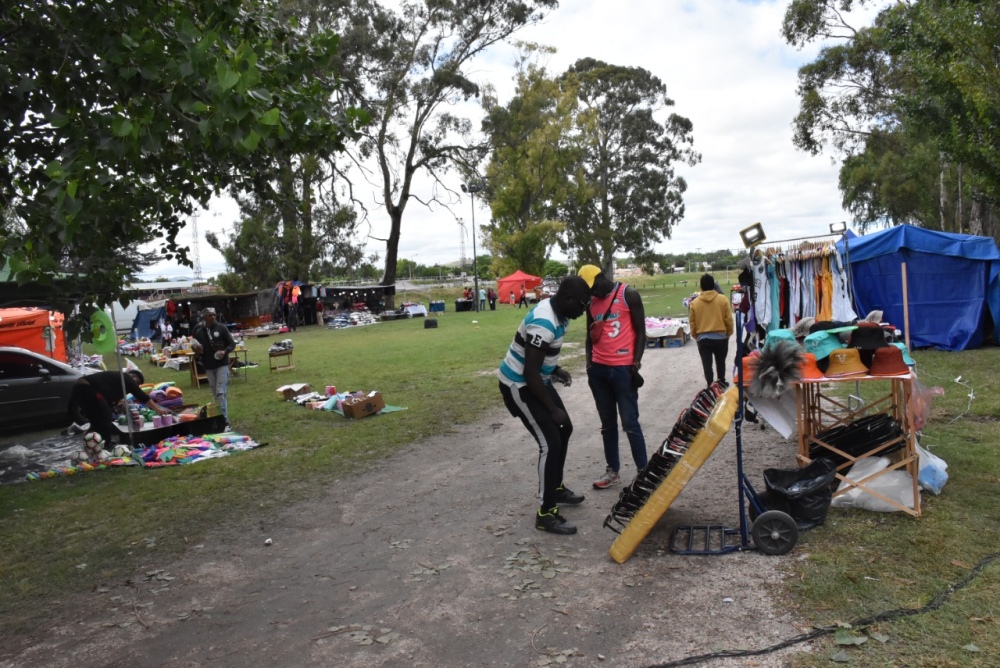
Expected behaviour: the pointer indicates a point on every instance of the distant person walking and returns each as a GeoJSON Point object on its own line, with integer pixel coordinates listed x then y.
{"type": "Point", "coordinates": [214, 343]}
{"type": "Point", "coordinates": [711, 320]}
{"type": "Point", "coordinates": [482, 299]}
{"type": "Point", "coordinates": [523, 299]}
{"type": "Point", "coordinates": [512, 299]}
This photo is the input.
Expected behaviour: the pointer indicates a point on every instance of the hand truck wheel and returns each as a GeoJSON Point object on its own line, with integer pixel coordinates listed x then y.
{"type": "Point", "coordinates": [774, 532]}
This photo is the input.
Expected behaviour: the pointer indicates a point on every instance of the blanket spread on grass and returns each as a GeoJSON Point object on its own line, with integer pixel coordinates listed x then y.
{"type": "Point", "coordinates": [172, 451]}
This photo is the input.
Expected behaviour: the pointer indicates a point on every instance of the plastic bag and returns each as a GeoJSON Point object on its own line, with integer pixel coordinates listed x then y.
{"type": "Point", "coordinates": [920, 402]}
{"type": "Point", "coordinates": [933, 471]}
{"type": "Point", "coordinates": [806, 491]}
{"type": "Point", "coordinates": [895, 485]}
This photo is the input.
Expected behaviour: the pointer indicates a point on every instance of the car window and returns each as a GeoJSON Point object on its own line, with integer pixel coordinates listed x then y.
{"type": "Point", "coordinates": [13, 366]}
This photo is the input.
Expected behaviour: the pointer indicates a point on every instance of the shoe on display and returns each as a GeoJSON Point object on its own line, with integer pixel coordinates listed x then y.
{"type": "Point", "coordinates": [609, 478]}
{"type": "Point", "coordinates": [566, 496]}
{"type": "Point", "coordinates": [553, 522]}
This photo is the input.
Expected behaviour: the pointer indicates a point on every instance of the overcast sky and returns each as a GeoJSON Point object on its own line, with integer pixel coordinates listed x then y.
{"type": "Point", "coordinates": [727, 70]}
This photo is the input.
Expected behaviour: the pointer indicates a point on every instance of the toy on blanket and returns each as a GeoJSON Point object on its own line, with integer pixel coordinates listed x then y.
{"type": "Point", "coordinates": [93, 450]}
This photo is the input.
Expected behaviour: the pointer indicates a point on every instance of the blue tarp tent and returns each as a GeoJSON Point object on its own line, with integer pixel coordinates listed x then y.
{"type": "Point", "coordinates": [952, 280]}
{"type": "Point", "coordinates": [147, 322]}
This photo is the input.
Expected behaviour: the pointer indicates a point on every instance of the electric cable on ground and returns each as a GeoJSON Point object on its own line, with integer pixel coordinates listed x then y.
{"type": "Point", "coordinates": [936, 602]}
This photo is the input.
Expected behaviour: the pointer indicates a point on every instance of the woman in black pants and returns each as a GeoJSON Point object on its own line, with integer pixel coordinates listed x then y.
{"type": "Point", "coordinates": [711, 318]}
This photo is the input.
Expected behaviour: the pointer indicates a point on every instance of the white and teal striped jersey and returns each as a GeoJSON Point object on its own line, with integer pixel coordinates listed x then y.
{"type": "Point", "coordinates": [541, 328]}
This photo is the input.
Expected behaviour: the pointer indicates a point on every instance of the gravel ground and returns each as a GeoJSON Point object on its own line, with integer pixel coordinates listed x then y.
{"type": "Point", "coordinates": [433, 560]}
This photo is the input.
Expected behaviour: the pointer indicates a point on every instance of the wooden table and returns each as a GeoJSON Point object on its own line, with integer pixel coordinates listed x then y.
{"type": "Point", "coordinates": [238, 371]}
{"type": "Point", "coordinates": [280, 360]}
{"type": "Point", "coordinates": [818, 410]}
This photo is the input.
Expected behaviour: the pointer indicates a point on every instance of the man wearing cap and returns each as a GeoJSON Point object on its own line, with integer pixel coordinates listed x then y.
{"type": "Point", "coordinates": [213, 342]}
{"type": "Point", "coordinates": [526, 376]}
{"type": "Point", "coordinates": [616, 325]}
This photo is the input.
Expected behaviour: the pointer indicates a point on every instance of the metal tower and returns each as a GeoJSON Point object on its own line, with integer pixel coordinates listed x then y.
{"type": "Point", "coordinates": [195, 257]}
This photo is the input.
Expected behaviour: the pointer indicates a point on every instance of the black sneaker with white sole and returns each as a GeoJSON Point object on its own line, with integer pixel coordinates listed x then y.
{"type": "Point", "coordinates": [553, 522]}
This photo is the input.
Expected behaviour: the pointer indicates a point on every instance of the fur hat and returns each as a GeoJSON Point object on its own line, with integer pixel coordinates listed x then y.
{"type": "Point", "coordinates": [778, 367]}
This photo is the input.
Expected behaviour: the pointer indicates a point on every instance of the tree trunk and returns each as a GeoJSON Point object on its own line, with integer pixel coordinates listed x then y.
{"type": "Point", "coordinates": [976, 215]}
{"type": "Point", "coordinates": [942, 185]}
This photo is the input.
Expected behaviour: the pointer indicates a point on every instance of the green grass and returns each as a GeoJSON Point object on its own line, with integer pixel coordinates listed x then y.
{"type": "Point", "coordinates": [862, 563]}
{"type": "Point", "coordinates": [858, 564]}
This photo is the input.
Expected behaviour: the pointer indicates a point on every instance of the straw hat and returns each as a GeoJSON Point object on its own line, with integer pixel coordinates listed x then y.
{"type": "Point", "coordinates": [809, 369]}
{"type": "Point", "coordinates": [845, 362]}
{"type": "Point", "coordinates": [888, 361]}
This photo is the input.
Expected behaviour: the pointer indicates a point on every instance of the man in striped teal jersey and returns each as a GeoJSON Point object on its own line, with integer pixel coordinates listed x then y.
{"type": "Point", "coordinates": [526, 376]}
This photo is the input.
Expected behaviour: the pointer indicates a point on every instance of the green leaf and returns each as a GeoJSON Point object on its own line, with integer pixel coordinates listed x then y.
{"type": "Point", "coordinates": [227, 77]}
{"type": "Point", "coordinates": [121, 127]}
{"type": "Point", "coordinates": [841, 657]}
{"type": "Point", "coordinates": [879, 636]}
{"type": "Point", "coordinates": [845, 637]}
{"type": "Point", "coordinates": [251, 140]}
{"type": "Point", "coordinates": [71, 188]}
{"type": "Point", "coordinates": [271, 117]}
{"type": "Point", "coordinates": [54, 170]}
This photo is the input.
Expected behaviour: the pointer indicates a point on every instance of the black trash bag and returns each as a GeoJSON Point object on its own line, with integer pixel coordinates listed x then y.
{"type": "Point", "coordinates": [807, 491]}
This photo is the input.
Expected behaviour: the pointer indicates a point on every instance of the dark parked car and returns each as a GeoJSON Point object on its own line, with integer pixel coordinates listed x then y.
{"type": "Point", "coordinates": [35, 390]}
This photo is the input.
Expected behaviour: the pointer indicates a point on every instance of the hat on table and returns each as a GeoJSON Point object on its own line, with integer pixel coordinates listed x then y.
{"type": "Point", "coordinates": [809, 369]}
{"type": "Point", "coordinates": [749, 367]}
{"type": "Point", "coordinates": [906, 353]}
{"type": "Point", "coordinates": [867, 338]}
{"type": "Point", "coordinates": [888, 361]}
{"type": "Point", "coordinates": [845, 362]}
{"type": "Point", "coordinates": [803, 327]}
{"type": "Point", "coordinates": [821, 344]}
{"type": "Point", "coordinates": [589, 272]}
{"type": "Point", "coordinates": [776, 335]}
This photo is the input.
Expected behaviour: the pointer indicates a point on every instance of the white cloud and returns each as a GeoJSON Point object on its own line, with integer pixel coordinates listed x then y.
{"type": "Point", "coordinates": [727, 69]}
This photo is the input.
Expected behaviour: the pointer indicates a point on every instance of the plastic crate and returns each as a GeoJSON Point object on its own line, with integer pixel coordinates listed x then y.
{"type": "Point", "coordinates": [677, 340]}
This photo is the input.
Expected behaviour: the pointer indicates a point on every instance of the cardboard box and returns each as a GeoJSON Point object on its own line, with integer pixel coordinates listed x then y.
{"type": "Point", "coordinates": [367, 405]}
{"type": "Point", "coordinates": [289, 392]}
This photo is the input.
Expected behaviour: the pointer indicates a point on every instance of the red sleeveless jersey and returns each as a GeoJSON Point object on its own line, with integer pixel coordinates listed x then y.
{"type": "Point", "coordinates": [616, 346]}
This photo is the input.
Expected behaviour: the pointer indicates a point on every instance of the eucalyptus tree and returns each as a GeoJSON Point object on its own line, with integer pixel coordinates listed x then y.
{"type": "Point", "coordinates": [531, 164]}
{"type": "Point", "coordinates": [407, 64]}
{"type": "Point", "coordinates": [629, 153]}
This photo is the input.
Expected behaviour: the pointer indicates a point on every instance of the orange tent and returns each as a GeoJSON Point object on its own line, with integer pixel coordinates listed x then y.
{"type": "Point", "coordinates": [35, 329]}
{"type": "Point", "coordinates": [514, 282]}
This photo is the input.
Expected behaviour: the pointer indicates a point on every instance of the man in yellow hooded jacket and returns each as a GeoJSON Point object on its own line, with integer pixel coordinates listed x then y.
{"type": "Point", "coordinates": [711, 318]}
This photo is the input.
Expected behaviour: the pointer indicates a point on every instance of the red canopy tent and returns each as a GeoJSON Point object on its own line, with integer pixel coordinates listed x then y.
{"type": "Point", "coordinates": [514, 282]}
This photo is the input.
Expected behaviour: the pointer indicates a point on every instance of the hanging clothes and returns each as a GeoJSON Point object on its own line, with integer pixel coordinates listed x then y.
{"type": "Point", "coordinates": [762, 291]}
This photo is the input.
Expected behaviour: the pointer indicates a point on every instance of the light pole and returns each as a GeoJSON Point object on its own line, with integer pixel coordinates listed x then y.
{"type": "Point", "coordinates": [472, 189]}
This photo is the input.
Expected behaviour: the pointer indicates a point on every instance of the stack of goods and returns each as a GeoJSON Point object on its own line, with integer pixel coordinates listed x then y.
{"type": "Point", "coordinates": [167, 395]}
{"type": "Point", "coordinates": [281, 346]}
{"type": "Point", "coordinates": [861, 437]}
{"type": "Point", "coordinates": [691, 421]}
{"type": "Point", "coordinates": [352, 319]}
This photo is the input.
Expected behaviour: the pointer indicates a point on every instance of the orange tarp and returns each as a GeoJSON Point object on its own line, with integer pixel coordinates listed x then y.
{"type": "Point", "coordinates": [35, 329]}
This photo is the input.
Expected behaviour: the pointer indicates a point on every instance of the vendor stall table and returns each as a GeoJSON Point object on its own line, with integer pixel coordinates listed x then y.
{"type": "Point", "coordinates": [464, 305]}
{"type": "Point", "coordinates": [234, 359]}
{"type": "Point", "coordinates": [437, 307]}
{"type": "Point", "coordinates": [820, 410]}
{"type": "Point", "coordinates": [280, 360]}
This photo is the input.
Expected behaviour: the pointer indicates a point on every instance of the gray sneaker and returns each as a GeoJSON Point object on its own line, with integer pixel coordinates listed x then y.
{"type": "Point", "coordinates": [609, 478]}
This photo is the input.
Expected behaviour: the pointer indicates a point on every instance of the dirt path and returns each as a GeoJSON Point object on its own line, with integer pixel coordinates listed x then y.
{"type": "Point", "coordinates": [433, 560]}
